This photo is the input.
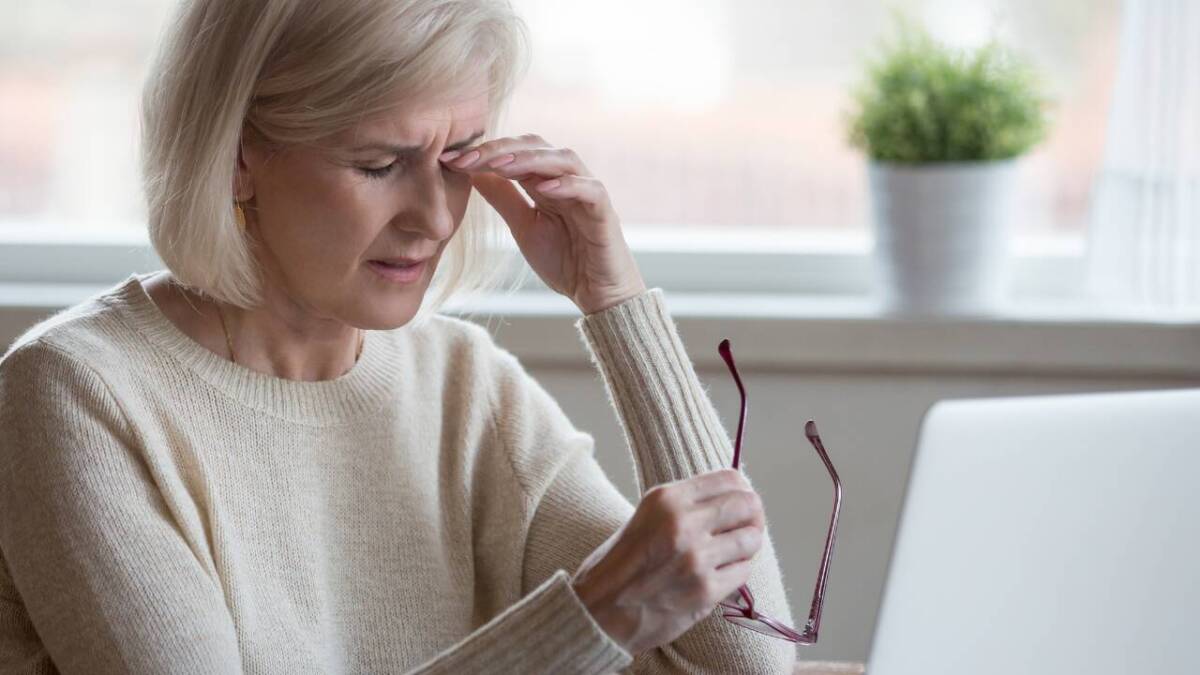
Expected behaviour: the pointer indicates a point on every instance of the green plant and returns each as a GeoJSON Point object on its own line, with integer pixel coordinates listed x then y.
{"type": "Point", "coordinates": [925, 102]}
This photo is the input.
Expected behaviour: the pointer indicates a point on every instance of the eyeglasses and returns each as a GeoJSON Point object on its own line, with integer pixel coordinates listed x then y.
{"type": "Point", "coordinates": [741, 611]}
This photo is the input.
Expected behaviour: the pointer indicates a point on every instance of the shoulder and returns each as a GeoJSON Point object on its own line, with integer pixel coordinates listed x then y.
{"type": "Point", "coordinates": [61, 374]}
{"type": "Point", "coordinates": [44, 383]}
{"type": "Point", "coordinates": [87, 336]}
{"type": "Point", "coordinates": [59, 417]}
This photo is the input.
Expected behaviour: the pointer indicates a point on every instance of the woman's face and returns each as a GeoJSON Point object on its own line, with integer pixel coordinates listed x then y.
{"type": "Point", "coordinates": [322, 214]}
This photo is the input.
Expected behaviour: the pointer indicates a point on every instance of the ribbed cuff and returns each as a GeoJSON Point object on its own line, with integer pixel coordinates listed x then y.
{"type": "Point", "coordinates": [669, 422]}
{"type": "Point", "coordinates": [548, 631]}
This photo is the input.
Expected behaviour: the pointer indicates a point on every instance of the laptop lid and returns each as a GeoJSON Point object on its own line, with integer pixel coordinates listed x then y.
{"type": "Point", "coordinates": [1055, 534]}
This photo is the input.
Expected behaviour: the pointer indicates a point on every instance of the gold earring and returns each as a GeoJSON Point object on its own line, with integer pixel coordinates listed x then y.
{"type": "Point", "coordinates": [239, 214]}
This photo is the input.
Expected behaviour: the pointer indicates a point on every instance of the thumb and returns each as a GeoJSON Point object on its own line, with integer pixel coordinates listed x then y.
{"type": "Point", "coordinates": [506, 198]}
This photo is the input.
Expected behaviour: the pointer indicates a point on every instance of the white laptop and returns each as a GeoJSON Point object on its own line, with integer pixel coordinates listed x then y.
{"type": "Point", "coordinates": [1048, 535]}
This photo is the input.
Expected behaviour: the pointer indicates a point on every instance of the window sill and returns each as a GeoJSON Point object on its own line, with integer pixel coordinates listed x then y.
{"type": "Point", "coordinates": [852, 334]}
{"type": "Point", "coordinates": [807, 333]}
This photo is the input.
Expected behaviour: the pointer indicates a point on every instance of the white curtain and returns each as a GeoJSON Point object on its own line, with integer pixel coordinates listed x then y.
{"type": "Point", "coordinates": [1144, 234]}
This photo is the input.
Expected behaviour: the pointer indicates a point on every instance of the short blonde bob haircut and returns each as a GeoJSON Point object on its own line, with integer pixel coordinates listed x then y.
{"type": "Point", "coordinates": [293, 72]}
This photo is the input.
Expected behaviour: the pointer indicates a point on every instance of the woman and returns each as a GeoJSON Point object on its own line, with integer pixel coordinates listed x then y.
{"type": "Point", "coordinates": [273, 457]}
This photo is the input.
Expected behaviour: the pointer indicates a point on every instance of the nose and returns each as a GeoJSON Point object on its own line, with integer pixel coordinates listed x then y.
{"type": "Point", "coordinates": [429, 205]}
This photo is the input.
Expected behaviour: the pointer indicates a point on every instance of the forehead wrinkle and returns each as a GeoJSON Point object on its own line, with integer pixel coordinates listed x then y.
{"type": "Point", "coordinates": [390, 132]}
{"type": "Point", "coordinates": [414, 150]}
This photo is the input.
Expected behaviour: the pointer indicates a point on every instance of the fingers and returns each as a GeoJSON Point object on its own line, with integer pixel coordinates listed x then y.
{"type": "Point", "coordinates": [584, 191]}
{"type": "Point", "coordinates": [735, 545]}
{"type": "Point", "coordinates": [710, 484]}
{"type": "Point", "coordinates": [506, 198]}
{"type": "Point", "coordinates": [516, 158]}
{"type": "Point", "coordinates": [732, 576]}
{"type": "Point", "coordinates": [727, 523]}
{"type": "Point", "coordinates": [553, 177]}
{"type": "Point", "coordinates": [732, 510]}
{"type": "Point", "coordinates": [544, 162]}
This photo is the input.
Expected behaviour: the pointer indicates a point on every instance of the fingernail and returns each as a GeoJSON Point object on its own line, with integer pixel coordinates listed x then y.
{"type": "Point", "coordinates": [467, 159]}
{"type": "Point", "coordinates": [548, 185]}
{"type": "Point", "coordinates": [449, 155]}
{"type": "Point", "coordinates": [502, 160]}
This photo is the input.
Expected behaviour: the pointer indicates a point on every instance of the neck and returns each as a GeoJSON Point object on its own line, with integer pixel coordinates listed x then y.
{"type": "Point", "coordinates": [284, 344]}
{"type": "Point", "coordinates": [260, 342]}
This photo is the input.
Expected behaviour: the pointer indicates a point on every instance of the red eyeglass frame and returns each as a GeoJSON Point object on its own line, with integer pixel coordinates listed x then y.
{"type": "Point", "coordinates": [741, 612]}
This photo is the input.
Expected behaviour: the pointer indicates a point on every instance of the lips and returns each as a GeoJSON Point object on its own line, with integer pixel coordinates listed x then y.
{"type": "Point", "coordinates": [399, 270]}
{"type": "Point", "coordinates": [400, 262]}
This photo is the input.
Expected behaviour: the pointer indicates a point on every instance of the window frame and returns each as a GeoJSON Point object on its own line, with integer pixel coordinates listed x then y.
{"type": "Point", "coordinates": [805, 264]}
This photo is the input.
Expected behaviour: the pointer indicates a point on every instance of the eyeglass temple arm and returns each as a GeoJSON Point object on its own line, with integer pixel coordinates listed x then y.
{"type": "Point", "coordinates": [813, 626]}
{"type": "Point", "coordinates": [727, 355]}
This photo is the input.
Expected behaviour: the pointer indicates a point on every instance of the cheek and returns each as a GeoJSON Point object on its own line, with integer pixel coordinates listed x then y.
{"type": "Point", "coordinates": [318, 223]}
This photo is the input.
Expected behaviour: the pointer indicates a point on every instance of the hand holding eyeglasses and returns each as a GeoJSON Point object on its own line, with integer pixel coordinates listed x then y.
{"type": "Point", "coordinates": [687, 547]}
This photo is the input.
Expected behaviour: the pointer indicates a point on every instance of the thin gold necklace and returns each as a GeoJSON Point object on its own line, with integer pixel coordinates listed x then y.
{"type": "Point", "coordinates": [233, 356]}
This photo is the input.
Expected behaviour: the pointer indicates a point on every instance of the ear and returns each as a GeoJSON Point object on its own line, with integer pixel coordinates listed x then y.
{"type": "Point", "coordinates": [243, 181]}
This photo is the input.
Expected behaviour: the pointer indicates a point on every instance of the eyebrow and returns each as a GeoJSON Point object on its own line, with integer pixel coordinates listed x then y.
{"type": "Point", "coordinates": [411, 150]}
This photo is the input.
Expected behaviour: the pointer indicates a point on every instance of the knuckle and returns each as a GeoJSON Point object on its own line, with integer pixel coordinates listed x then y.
{"type": "Point", "coordinates": [534, 138]}
{"type": "Point", "coordinates": [731, 478]}
{"type": "Point", "coordinates": [751, 539]}
{"type": "Point", "coordinates": [660, 497]}
{"type": "Point", "coordinates": [737, 507]}
{"type": "Point", "coordinates": [752, 502]}
{"type": "Point", "coordinates": [654, 494]}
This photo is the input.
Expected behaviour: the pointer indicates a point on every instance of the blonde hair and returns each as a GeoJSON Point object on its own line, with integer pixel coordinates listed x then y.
{"type": "Point", "coordinates": [293, 72]}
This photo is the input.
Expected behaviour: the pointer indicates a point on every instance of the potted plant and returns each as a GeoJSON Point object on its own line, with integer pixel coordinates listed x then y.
{"type": "Point", "coordinates": [943, 129]}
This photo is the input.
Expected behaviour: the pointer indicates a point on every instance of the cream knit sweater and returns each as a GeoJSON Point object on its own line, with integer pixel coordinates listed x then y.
{"type": "Point", "coordinates": [163, 510]}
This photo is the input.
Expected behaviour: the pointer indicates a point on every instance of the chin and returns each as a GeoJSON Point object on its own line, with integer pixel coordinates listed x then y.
{"type": "Point", "coordinates": [398, 312]}
{"type": "Point", "coordinates": [391, 308]}
{"type": "Point", "coordinates": [392, 305]}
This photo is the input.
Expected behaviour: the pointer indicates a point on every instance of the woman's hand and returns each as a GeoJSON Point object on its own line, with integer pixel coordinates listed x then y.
{"type": "Point", "coordinates": [687, 547]}
{"type": "Point", "coordinates": [570, 235]}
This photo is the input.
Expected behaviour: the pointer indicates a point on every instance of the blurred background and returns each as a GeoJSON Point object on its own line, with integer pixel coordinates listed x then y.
{"type": "Point", "coordinates": [719, 128]}
{"type": "Point", "coordinates": [739, 105]}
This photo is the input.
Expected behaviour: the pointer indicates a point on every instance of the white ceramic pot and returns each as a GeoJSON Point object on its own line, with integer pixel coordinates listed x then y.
{"type": "Point", "coordinates": [940, 235]}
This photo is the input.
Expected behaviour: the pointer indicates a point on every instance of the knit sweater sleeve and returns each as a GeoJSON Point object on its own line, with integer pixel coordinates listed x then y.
{"type": "Point", "coordinates": [673, 433]}
{"type": "Point", "coordinates": [95, 576]}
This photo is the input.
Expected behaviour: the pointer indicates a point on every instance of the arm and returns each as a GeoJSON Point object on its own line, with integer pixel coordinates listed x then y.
{"type": "Point", "coordinates": [673, 433]}
{"type": "Point", "coordinates": [547, 631]}
{"type": "Point", "coordinates": [97, 578]}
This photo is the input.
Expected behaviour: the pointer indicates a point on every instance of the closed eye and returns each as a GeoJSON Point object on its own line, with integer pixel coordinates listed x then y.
{"type": "Point", "coordinates": [377, 172]}
{"type": "Point", "coordinates": [383, 171]}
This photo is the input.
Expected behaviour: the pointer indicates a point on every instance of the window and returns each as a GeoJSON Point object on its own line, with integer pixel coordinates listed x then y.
{"type": "Point", "coordinates": [70, 76]}
{"type": "Point", "coordinates": [705, 118]}
{"type": "Point", "coordinates": [719, 115]}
